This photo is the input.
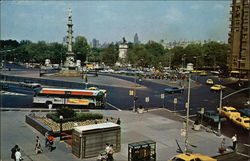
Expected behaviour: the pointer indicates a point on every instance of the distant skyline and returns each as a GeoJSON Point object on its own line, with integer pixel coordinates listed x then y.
{"type": "Point", "coordinates": [109, 21]}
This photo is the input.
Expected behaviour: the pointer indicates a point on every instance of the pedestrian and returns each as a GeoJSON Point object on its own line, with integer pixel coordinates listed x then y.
{"type": "Point", "coordinates": [38, 145]}
{"type": "Point", "coordinates": [18, 155]}
{"type": "Point", "coordinates": [110, 153]}
{"type": "Point", "coordinates": [46, 138]}
{"type": "Point", "coordinates": [13, 152]}
{"type": "Point", "coordinates": [107, 148]}
{"type": "Point", "coordinates": [223, 143]}
{"type": "Point", "coordinates": [51, 142]}
{"type": "Point", "coordinates": [118, 121]}
{"type": "Point", "coordinates": [234, 140]}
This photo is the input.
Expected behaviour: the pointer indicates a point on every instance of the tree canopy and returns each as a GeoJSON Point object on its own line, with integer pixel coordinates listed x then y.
{"type": "Point", "coordinates": [151, 54]}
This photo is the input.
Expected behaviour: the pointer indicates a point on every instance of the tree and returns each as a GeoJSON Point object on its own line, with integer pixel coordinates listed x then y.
{"type": "Point", "coordinates": [215, 53]}
{"type": "Point", "coordinates": [81, 48]}
{"type": "Point", "coordinates": [110, 55]}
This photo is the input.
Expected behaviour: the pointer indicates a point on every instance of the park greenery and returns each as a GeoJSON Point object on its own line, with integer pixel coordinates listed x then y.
{"type": "Point", "coordinates": [70, 115]}
{"type": "Point", "coordinates": [151, 54]}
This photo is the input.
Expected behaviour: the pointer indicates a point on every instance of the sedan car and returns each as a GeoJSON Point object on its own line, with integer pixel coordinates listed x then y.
{"type": "Point", "coordinates": [209, 81]}
{"type": "Point", "coordinates": [4, 85]}
{"type": "Point", "coordinates": [211, 116]}
{"type": "Point", "coordinates": [217, 87]}
{"type": "Point", "coordinates": [96, 88]}
{"type": "Point", "coordinates": [174, 90]}
{"type": "Point", "coordinates": [30, 84]}
{"type": "Point", "coordinates": [191, 157]}
{"type": "Point", "coordinates": [229, 112]}
{"type": "Point", "coordinates": [242, 121]}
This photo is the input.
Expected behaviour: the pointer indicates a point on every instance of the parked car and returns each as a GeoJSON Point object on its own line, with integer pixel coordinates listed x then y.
{"type": "Point", "coordinates": [211, 116]}
{"type": "Point", "coordinates": [203, 74]}
{"type": "Point", "coordinates": [217, 87]}
{"type": "Point", "coordinates": [209, 81]}
{"type": "Point", "coordinates": [29, 84]}
{"type": "Point", "coordinates": [245, 112]}
{"type": "Point", "coordinates": [229, 112]}
{"type": "Point", "coordinates": [174, 90]}
{"type": "Point", "coordinates": [191, 157]}
{"type": "Point", "coordinates": [4, 85]}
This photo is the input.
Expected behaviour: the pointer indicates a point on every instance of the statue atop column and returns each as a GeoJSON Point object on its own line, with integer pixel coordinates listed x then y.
{"type": "Point", "coordinates": [70, 56]}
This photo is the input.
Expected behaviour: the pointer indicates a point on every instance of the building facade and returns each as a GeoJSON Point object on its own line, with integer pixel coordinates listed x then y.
{"type": "Point", "coordinates": [136, 39]}
{"type": "Point", "coordinates": [239, 59]}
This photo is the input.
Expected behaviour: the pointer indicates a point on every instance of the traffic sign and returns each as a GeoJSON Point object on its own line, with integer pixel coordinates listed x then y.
{"type": "Point", "coordinates": [162, 96]}
{"type": "Point", "coordinates": [202, 110]}
{"type": "Point", "coordinates": [146, 99]}
{"type": "Point", "coordinates": [131, 92]}
{"type": "Point", "coordinates": [175, 100]}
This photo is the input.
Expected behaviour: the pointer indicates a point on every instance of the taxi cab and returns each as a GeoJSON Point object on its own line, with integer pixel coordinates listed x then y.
{"type": "Point", "coordinates": [191, 157]}
{"type": "Point", "coordinates": [209, 81]}
{"type": "Point", "coordinates": [95, 88]}
{"type": "Point", "coordinates": [242, 121]}
{"type": "Point", "coordinates": [203, 73]}
{"type": "Point", "coordinates": [196, 71]}
{"type": "Point", "coordinates": [217, 87]}
{"type": "Point", "coordinates": [229, 112]}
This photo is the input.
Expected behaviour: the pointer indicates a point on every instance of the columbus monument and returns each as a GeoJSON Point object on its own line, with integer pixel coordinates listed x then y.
{"type": "Point", "coordinates": [69, 63]}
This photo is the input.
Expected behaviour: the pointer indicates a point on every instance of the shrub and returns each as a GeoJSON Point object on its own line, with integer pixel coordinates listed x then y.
{"type": "Point", "coordinates": [66, 112]}
{"type": "Point", "coordinates": [81, 116]}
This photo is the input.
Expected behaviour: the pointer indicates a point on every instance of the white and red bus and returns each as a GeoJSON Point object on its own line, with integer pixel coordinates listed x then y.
{"type": "Point", "coordinates": [60, 96]}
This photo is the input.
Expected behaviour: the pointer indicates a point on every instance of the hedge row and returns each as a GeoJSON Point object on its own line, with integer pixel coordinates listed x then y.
{"type": "Point", "coordinates": [80, 116]}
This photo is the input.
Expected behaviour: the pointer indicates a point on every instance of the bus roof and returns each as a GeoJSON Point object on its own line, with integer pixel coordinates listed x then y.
{"type": "Point", "coordinates": [63, 91]}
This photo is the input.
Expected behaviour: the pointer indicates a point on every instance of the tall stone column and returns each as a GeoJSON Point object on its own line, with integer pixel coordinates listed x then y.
{"type": "Point", "coordinates": [70, 56]}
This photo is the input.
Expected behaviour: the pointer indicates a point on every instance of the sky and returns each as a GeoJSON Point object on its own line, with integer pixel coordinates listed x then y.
{"type": "Point", "coordinates": [109, 21]}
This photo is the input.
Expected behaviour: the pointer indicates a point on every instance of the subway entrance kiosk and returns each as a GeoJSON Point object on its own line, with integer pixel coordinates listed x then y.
{"type": "Point", "coordinates": [90, 140]}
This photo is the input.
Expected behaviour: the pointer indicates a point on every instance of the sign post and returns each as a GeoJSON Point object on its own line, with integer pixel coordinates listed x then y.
{"type": "Point", "coordinates": [147, 100]}
{"type": "Point", "coordinates": [175, 102]}
{"type": "Point", "coordinates": [163, 100]}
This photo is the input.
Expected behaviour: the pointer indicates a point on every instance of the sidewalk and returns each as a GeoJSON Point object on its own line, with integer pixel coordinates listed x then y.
{"type": "Point", "coordinates": [135, 127]}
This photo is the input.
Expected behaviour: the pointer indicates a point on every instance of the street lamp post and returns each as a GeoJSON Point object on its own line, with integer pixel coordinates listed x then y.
{"type": "Point", "coordinates": [219, 123]}
{"type": "Point", "coordinates": [187, 113]}
{"type": "Point", "coordinates": [61, 122]}
{"type": "Point", "coordinates": [134, 107]}
{"type": "Point", "coordinates": [183, 60]}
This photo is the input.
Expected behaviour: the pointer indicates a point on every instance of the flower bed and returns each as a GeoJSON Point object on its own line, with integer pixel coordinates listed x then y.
{"type": "Point", "coordinates": [70, 124]}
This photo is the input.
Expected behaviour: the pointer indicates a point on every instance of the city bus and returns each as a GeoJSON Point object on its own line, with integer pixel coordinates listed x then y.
{"type": "Point", "coordinates": [78, 97]}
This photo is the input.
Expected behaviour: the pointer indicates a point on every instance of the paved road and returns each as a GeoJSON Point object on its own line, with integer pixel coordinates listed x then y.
{"type": "Point", "coordinates": [201, 96]}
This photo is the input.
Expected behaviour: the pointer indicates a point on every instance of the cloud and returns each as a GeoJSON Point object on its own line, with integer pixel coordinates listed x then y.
{"type": "Point", "coordinates": [174, 15]}
{"type": "Point", "coordinates": [195, 7]}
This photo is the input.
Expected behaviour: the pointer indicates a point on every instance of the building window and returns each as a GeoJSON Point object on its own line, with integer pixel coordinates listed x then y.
{"type": "Point", "coordinates": [242, 65]}
{"type": "Point", "coordinates": [236, 30]}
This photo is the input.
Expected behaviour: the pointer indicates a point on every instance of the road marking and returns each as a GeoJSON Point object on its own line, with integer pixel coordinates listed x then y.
{"type": "Point", "coordinates": [12, 93]}
{"type": "Point", "coordinates": [235, 92]}
{"type": "Point", "coordinates": [114, 106]}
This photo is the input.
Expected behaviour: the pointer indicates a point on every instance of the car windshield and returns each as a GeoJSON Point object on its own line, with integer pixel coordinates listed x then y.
{"type": "Point", "coordinates": [177, 159]}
